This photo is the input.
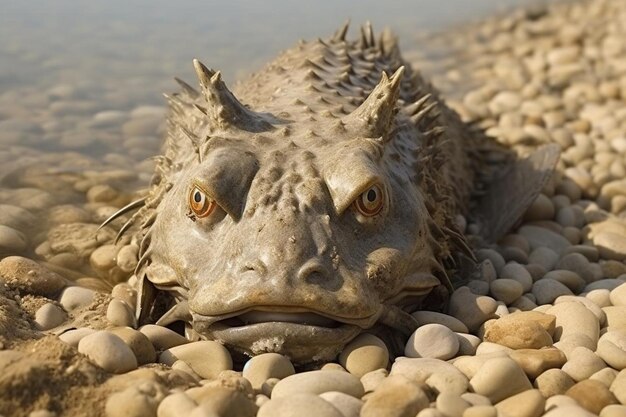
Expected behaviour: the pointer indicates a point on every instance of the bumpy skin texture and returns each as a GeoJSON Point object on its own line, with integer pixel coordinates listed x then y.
{"type": "Point", "coordinates": [287, 260]}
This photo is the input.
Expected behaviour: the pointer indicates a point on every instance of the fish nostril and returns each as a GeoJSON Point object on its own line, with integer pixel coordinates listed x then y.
{"type": "Point", "coordinates": [313, 272]}
{"type": "Point", "coordinates": [258, 266]}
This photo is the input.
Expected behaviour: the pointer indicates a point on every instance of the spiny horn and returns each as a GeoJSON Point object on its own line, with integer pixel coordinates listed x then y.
{"type": "Point", "coordinates": [373, 118]}
{"type": "Point", "coordinates": [340, 35]}
{"type": "Point", "coordinates": [191, 92]}
{"type": "Point", "coordinates": [223, 109]}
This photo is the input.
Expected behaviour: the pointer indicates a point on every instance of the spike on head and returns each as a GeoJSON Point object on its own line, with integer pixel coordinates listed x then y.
{"type": "Point", "coordinates": [373, 118]}
{"type": "Point", "coordinates": [340, 35]}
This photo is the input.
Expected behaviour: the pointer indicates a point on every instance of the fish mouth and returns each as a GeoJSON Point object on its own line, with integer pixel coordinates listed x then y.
{"type": "Point", "coordinates": [303, 336]}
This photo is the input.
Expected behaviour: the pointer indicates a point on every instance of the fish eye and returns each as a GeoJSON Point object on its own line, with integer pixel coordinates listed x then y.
{"type": "Point", "coordinates": [199, 203]}
{"type": "Point", "coordinates": [371, 201]}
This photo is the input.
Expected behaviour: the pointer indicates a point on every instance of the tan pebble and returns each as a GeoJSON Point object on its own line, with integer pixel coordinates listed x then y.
{"type": "Point", "coordinates": [125, 293]}
{"type": "Point", "coordinates": [611, 245]}
{"type": "Point", "coordinates": [175, 405]}
{"type": "Point", "coordinates": [395, 396]}
{"type": "Point", "coordinates": [101, 193]}
{"type": "Point", "coordinates": [268, 365]}
{"type": "Point", "coordinates": [430, 412]}
{"type": "Point", "coordinates": [135, 401]}
{"type": "Point", "coordinates": [42, 413]}
{"type": "Point", "coordinates": [161, 337]}
{"type": "Point", "coordinates": [489, 347]}
{"type": "Point", "coordinates": [615, 317]}
{"type": "Point", "coordinates": [268, 386]}
{"type": "Point", "coordinates": [104, 258]}
{"type": "Point", "coordinates": [49, 315]}
{"type": "Point", "coordinates": [433, 317]}
{"type": "Point", "coordinates": [432, 341]}
{"type": "Point", "coordinates": [475, 399]}
{"type": "Point", "coordinates": [316, 382]}
{"type": "Point", "coordinates": [613, 411]}
{"type": "Point", "coordinates": [529, 403]}
{"type": "Point", "coordinates": [469, 365]}
{"type": "Point", "coordinates": [126, 258]}
{"type": "Point", "coordinates": [592, 395]}
{"type": "Point", "coordinates": [225, 402]}
{"type": "Point", "coordinates": [573, 317]}
{"type": "Point", "coordinates": [183, 367]}
{"type": "Point", "coordinates": [591, 306]}
{"type": "Point", "coordinates": [544, 256]}
{"type": "Point", "coordinates": [372, 380]}
{"type": "Point", "coordinates": [332, 366]}
{"type": "Point", "coordinates": [73, 298]}
{"type": "Point", "coordinates": [470, 309]}
{"type": "Point", "coordinates": [11, 241]}
{"type": "Point", "coordinates": [568, 344]}
{"type": "Point", "coordinates": [571, 410]}
{"type": "Point", "coordinates": [553, 382]}
{"type": "Point", "coordinates": [522, 330]}
{"type": "Point", "coordinates": [582, 363]}
{"type": "Point", "coordinates": [534, 362]}
{"type": "Point", "coordinates": [499, 378]}
{"type": "Point", "coordinates": [207, 358]}
{"type": "Point", "coordinates": [506, 290]}
{"type": "Point", "coordinates": [568, 278]}
{"type": "Point", "coordinates": [138, 343]}
{"type": "Point", "coordinates": [467, 344]}
{"type": "Point", "coordinates": [481, 411]}
{"type": "Point", "coordinates": [612, 348]}
{"type": "Point", "coordinates": [517, 272]}
{"type": "Point", "coordinates": [364, 354]}
{"type": "Point", "coordinates": [618, 387]}
{"type": "Point", "coordinates": [435, 373]}
{"type": "Point", "coordinates": [260, 399]}
{"type": "Point", "coordinates": [547, 290]}
{"type": "Point", "coordinates": [451, 405]}
{"type": "Point", "coordinates": [501, 311]}
{"type": "Point", "coordinates": [605, 376]}
{"type": "Point", "coordinates": [72, 337]}
{"type": "Point", "coordinates": [108, 351]}
{"type": "Point", "coordinates": [26, 275]}
{"type": "Point", "coordinates": [346, 404]}
{"type": "Point", "coordinates": [618, 295]}
{"type": "Point", "coordinates": [120, 314]}
{"type": "Point", "coordinates": [300, 404]}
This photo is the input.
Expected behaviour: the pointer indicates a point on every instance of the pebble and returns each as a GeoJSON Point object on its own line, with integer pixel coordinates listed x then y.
{"type": "Point", "coordinates": [451, 405]}
{"type": "Point", "coordinates": [364, 354]}
{"type": "Point", "coordinates": [497, 261]}
{"type": "Point", "coordinates": [346, 404]}
{"type": "Point", "coordinates": [16, 217]}
{"type": "Point", "coordinates": [108, 352]}
{"type": "Point", "coordinates": [30, 277]}
{"type": "Point", "coordinates": [175, 405]}
{"type": "Point", "coordinates": [73, 298]}
{"type": "Point", "coordinates": [135, 401]}
{"type": "Point", "coordinates": [138, 342]}
{"type": "Point", "coordinates": [528, 403]}
{"type": "Point", "coordinates": [469, 365]}
{"type": "Point", "coordinates": [615, 317]}
{"type": "Point", "coordinates": [120, 314]}
{"type": "Point", "coordinates": [618, 295]}
{"type": "Point", "coordinates": [553, 382]}
{"type": "Point", "coordinates": [207, 358]}
{"type": "Point", "coordinates": [300, 404]}
{"type": "Point", "coordinates": [267, 365]}
{"type": "Point", "coordinates": [507, 290]}
{"type": "Point", "coordinates": [437, 374]}
{"type": "Point", "coordinates": [582, 363]}
{"type": "Point", "coordinates": [518, 331]}
{"type": "Point", "coordinates": [613, 411]}
{"type": "Point", "coordinates": [161, 337]}
{"type": "Point", "coordinates": [396, 396]}
{"type": "Point", "coordinates": [611, 245]}
{"type": "Point", "coordinates": [568, 278]}
{"type": "Point", "coordinates": [127, 257]}
{"type": "Point", "coordinates": [535, 362]}
{"type": "Point", "coordinates": [573, 317]}
{"type": "Point", "coordinates": [224, 402]}
{"type": "Point", "coordinates": [612, 349]}
{"type": "Point", "coordinates": [125, 293]}
{"type": "Point", "coordinates": [471, 309]}
{"type": "Point", "coordinates": [317, 382]}
{"type": "Point", "coordinates": [49, 315]}
{"type": "Point", "coordinates": [467, 344]}
{"type": "Point", "coordinates": [481, 411]}
{"type": "Point", "coordinates": [434, 317]}
{"type": "Point", "coordinates": [547, 290]}
{"type": "Point", "coordinates": [73, 337]}
{"type": "Point", "coordinates": [104, 258]}
{"type": "Point", "coordinates": [544, 256]}
{"type": "Point", "coordinates": [568, 411]}
{"type": "Point", "coordinates": [618, 387]}
{"type": "Point", "coordinates": [11, 241]}
{"type": "Point", "coordinates": [592, 395]}
{"type": "Point", "coordinates": [606, 376]}
{"type": "Point", "coordinates": [499, 378]}
{"type": "Point", "coordinates": [541, 209]}
{"type": "Point", "coordinates": [372, 379]}
{"type": "Point", "coordinates": [542, 237]}
{"type": "Point", "coordinates": [432, 341]}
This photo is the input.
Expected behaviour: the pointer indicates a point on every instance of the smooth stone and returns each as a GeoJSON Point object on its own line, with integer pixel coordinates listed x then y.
{"type": "Point", "coordinates": [224, 402]}
{"type": "Point", "coordinates": [317, 382]}
{"type": "Point", "coordinates": [104, 257]}
{"type": "Point", "coordinates": [582, 363]}
{"type": "Point", "coordinates": [161, 337]}
{"type": "Point", "coordinates": [568, 278]}
{"type": "Point", "coordinates": [364, 354]}
{"type": "Point", "coordinates": [478, 287]}
{"type": "Point", "coordinates": [516, 331]}
{"type": "Point", "coordinates": [125, 293]}
{"type": "Point", "coordinates": [535, 362]}
{"type": "Point", "coordinates": [605, 284]}
{"type": "Point", "coordinates": [618, 387]}
{"type": "Point", "coordinates": [207, 358]}
{"type": "Point", "coordinates": [182, 366]}
{"type": "Point", "coordinates": [120, 314]}
{"type": "Point", "coordinates": [497, 261]}
{"type": "Point", "coordinates": [372, 380]}
{"type": "Point", "coordinates": [611, 245]}
{"type": "Point", "coordinates": [475, 399]}
{"type": "Point", "coordinates": [135, 401]}
{"type": "Point", "coordinates": [127, 257]}
{"type": "Point", "coordinates": [506, 290]}
{"type": "Point", "coordinates": [73, 298]}
{"type": "Point", "coordinates": [469, 365]}
{"type": "Point", "coordinates": [573, 317]}
{"type": "Point", "coordinates": [298, 404]}
{"type": "Point", "coordinates": [590, 305]}
{"type": "Point", "coordinates": [432, 341]}
{"type": "Point", "coordinates": [568, 411]}
{"type": "Point", "coordinates": [267, 365]}
{"type": "Point", "coordinates": [11, 241]}
{"type": "Point", "coordinates": [547, 290]}
{"type": "Point", "coordinates": [49, 315]}
{"type": "Point", "coordinates": [612, 349]}
{"type": "Point", "coordinates": [175, 405]}
{"type": "Point", "coordinates": [471, 309]}
{"type": "Point", "coordinates": [108, 351]}
{"type": "Point", "coordinates": [481, 411]}
{"type": "Point", "coordinates": [396, 396]}
{"type": "Point", "coordinates": [468, 343]}
{"type": "Point", "coordinates": [451, 405]}
{"type": "Point", "coordinates": [615, 317]}
{"type": "Point", "coordinates": [430, 412]}
{"type": "Point", "coordinates": [592, 395]}
{"type": "Point", "coordinates": [541, 237]}
{"type": "Point", "coordinates": [138, 343]}
{"type": "Point", "coordinates": [499, 378]}
{"type": "Point", "coordinates": [16, 217]}
{"type": "Point", "coordinates": [606, 376]}
{"type": "Point", "coordinates": [568, 344]}
{"type": "Point", "coordinates": [437, 374]}
{"type": "Point", "coordinates": [613, 411]}
{"type": "Point", "coordinates": [544, 256]}
{"type": "Point", "coordinates": [618, 295]}
{"type": "Point", "coordinates": [529, 403]}
{"type": "Point", "coordinates": [553, 382]}
{"type": "Point", "coordinates": [434, 317]}
{"type": "Point", "coordinates": [73, 337]}
{"type": "Point", "coordinates": [517, 272]}
{"type": "Point", "coordinates": [26, 275]}
{"type": "Point", "coordinates": [489, 347]}
{"type": "Point", "coordinates": [346, 404]}
{"type": "Point", "coordinates": [577, 263]}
